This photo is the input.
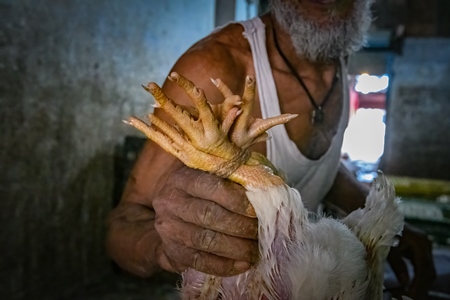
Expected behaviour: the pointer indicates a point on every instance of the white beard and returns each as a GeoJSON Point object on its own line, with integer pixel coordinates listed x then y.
{"type": "Point", "coordinates": [324, 42]}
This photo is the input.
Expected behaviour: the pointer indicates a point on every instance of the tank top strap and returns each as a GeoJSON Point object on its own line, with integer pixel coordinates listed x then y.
{"type": "Point", "coordinates": [255, 33]}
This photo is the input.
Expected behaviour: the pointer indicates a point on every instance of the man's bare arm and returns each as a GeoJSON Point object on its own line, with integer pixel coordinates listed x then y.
{"type": "Point", "coordinates": [164, 218]}
{"type": "Point", "coordinates": [346, 193]}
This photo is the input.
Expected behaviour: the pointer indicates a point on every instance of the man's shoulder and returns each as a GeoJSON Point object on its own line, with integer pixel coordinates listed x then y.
{"type": "Point", "coordinates": [227, 41]}
{"type": "Point", "coordinates": [223, 53]}
{"type": "Point", "coordinates": [232, 34]}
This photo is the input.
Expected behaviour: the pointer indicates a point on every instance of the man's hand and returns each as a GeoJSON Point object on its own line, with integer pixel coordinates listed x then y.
{"type": "Point", "coordinates": [206, 223]}
{"type": "Point", "coordinates": [415, 246]}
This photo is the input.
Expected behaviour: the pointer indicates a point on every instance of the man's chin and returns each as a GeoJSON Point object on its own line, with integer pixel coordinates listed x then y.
{"type": "Point", "coordinates": [328, 40]}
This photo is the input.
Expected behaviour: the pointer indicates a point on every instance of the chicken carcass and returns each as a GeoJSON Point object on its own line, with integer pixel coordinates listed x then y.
{"type": "Point", "coordinates": [300, 257]}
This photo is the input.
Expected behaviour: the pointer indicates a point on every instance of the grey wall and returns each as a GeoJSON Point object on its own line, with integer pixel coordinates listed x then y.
{"type": "Point", "coordinates": [418, 112]}
{"type": "Point", "coordinates": [70, 71]}
{"type": "Point", "coordinates": [421, 18]}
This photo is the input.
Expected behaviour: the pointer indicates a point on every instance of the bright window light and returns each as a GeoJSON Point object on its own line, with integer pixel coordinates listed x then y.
{"type": "Point", "coordinates": [364, 137]}
{"type": "Point", "coordinates": [366, 83]}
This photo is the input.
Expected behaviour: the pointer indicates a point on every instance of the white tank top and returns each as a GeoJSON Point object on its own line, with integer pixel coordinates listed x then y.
{"type": "Point", "coordinates": [312, 178]}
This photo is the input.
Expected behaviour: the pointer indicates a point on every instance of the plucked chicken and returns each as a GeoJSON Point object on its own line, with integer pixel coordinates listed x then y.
{"type": "Point", "coordinates": [301, 257]}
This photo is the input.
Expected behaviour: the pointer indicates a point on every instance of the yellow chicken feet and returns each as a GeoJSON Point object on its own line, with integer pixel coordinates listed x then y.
{"type": "Point", "coordinates": [248, 130]}
{"type": "Point", "coordinates": [204, 131]}
{"type": "Point", "coordinates": [217, 139]}
{"type": "Point", "coordinates": [172, 141]}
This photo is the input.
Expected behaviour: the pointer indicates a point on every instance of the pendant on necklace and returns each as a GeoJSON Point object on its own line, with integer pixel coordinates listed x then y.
{"type": "Point", "coordinates": [317, 115]}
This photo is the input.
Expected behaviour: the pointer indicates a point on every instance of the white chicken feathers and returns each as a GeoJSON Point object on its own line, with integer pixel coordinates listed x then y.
{"type": "Point", "coordinates": [313, 258]}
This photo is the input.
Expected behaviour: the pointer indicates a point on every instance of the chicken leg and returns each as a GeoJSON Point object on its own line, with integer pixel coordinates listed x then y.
{"type": "Point", "coordinates": [217, 139]}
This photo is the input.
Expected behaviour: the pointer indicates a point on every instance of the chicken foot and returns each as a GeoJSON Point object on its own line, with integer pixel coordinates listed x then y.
{"type": "Point", "coordinates": [215, 138]}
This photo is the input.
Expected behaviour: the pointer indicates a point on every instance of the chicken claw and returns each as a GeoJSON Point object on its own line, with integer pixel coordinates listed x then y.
{"type": "Point", "coordinates": [216, 138]}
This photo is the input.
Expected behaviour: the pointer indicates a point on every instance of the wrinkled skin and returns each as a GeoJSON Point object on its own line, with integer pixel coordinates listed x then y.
{"type": "Point", "coordinates": [215, 236]}
{"type": "Point", "coordinates": [415, 246]}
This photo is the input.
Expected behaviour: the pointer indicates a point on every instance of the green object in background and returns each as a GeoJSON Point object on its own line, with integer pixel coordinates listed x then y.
{"type": "Point", "coordinates": [426, 204]}
{"type": "Point", "coordinates": [421, 188]}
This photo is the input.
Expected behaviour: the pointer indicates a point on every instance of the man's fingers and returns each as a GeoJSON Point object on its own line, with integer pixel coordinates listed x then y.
{"type": "Point", "coordinates": [208, 263]}
{"type": "Point", "coordinates": [399, 267]}
{"type": "Point", "coordinates": [417, 248]}
{"type": "Point", "coordinates": [208, 214]}
{"type": "Point", "coordinates": [180, 258]}
{"type": "Point", "coordinates": [193, 236]}
{"type": "Point", "coordinates": [424, 271]}
{"type": "Point", "coordinates": [203, 222]}
{"type": "Point", "coordinates": [214, 265]}
{"type": "Point", "coordinates": [203, 185]}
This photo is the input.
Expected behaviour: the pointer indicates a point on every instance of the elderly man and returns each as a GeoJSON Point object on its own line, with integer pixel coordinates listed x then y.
{"type": "Point", "coordinates": [173, 218]}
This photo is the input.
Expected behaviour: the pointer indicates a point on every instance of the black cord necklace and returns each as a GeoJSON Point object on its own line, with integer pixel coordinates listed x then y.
{"type": "Point", "coordinates": [318, 115]}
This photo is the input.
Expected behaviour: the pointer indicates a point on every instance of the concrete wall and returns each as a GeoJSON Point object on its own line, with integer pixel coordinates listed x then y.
{"type": "Point", "coordinates": [418, 111]}
{"type": "Point", "coordinates": [70, 71]}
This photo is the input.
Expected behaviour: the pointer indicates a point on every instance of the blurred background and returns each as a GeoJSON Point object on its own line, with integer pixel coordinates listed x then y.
{"type": "Point", "coordinates": [71, 70]}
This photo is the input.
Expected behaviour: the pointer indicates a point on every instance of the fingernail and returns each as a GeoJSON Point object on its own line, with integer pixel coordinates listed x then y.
{"type": "Point", "coordinates": [250, 211]}
{"type": "Point", "coordinates": [241, 265]}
